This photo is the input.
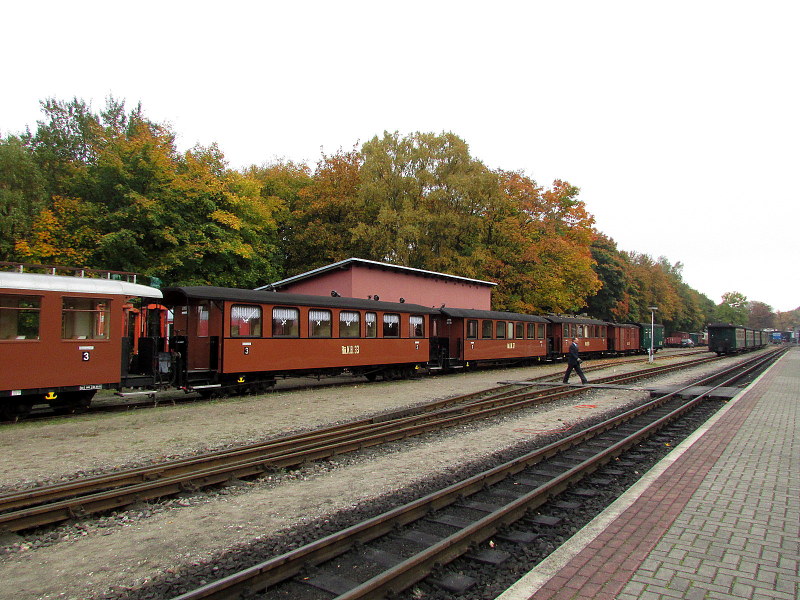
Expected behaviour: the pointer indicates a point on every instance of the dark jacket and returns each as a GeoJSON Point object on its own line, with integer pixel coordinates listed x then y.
{"type": "Point", "coordinates": [573, 358]}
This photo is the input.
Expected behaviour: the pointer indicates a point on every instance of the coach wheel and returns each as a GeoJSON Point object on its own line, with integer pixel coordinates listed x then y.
{"type": "Point", "coordinates": [371, 375]}
{"type": "Point", "coordinates": [15, 409]}
{"type": "Point", "coordinates": [70, 403]}
{"type": "Point", "coordinates": [390, 374]}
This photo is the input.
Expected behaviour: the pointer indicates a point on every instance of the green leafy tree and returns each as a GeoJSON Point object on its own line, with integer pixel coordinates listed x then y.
{"type": "Point", "coordinates": [733, 308]}
{"type": "Point", "coordinates": [22, 195]}
{"type": "Point", "coordinates": [612, 300]}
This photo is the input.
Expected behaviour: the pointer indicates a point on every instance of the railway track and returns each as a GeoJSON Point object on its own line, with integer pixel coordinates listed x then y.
{"type": "Point", "coordinates": [76, 499]}
{"type": "Point", "coordinates": [384, 555]}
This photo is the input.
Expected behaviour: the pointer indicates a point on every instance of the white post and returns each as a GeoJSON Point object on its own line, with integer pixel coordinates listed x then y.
{"type": "Point", "coordinates": [653, 310]}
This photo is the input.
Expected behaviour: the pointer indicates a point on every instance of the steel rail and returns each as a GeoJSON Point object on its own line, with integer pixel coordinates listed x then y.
{"type": "Point", "coordinates": [411, 570]}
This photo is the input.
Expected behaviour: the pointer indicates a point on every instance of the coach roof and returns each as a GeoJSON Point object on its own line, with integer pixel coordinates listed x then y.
{"type": "Point", "coordinates": [75, 285]}
{"type": "Point", "coordinates": [468, 313]}
{"type": "Point", "coordinates": [176, 295]}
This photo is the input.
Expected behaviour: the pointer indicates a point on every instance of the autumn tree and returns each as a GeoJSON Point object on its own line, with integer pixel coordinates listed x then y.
{"type": "Point", "coordinates": [181, 217]}
{"type": "Point", "coordinates": [760, 315]}
{"type": "Point", "coordinates": [323, 215]}
{"type": "Point", "coordinates": [544, 246]}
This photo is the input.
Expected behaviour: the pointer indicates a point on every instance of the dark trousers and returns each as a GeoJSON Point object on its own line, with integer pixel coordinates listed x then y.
{"type": "Point", "coordinates": [578, 370]}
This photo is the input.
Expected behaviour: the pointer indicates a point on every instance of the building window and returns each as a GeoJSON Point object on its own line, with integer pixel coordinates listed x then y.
{"type": "Point", "coordinates": [391, 325]}
{"type": "Point", "coordinates": [19, 317]}
{"type": "Point", "coordinates": [319, 323]}
{"type": "Point", "coordinates": [417, 323]}
{"type": "Point", "coordinates": [285, 322]}
{"type": "Point", "coordinates": [486, 330]}
{"type": "Point", "coordinates": [85, 319]}
{"type": "Point", "coordinates": [472, 330]}
{"type": "Point", "coordinates": [245, 321]}
{"type": "Point", "coordinates": [349, 324]}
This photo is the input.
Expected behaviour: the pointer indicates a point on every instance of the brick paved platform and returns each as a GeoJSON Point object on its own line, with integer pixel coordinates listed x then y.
{"type": "Point", "coordinates": [719, 518]}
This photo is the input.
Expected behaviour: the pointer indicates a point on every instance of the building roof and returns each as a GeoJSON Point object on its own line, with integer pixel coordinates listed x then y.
{"type": "Point", "coordinates": [347, 263]}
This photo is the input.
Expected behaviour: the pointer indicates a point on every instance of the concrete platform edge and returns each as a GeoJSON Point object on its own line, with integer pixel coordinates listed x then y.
{"type": "Point", "coordinates": [531, 582]}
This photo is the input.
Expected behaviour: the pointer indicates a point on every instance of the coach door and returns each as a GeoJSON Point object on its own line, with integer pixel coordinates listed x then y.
{"type": "Point", "coordinates": [204, 320]}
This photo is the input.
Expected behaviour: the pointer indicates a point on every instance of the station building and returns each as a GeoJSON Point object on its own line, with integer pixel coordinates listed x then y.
{"type": "Point", "coordinates": [360, 278]}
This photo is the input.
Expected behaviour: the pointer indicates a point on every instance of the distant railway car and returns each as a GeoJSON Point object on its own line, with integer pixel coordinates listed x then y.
{"type": "Point", "coordinates": [463, 337]}
{"type": "Point", "coordinates": [592, 335]}
{"type": "Point", "coordinates": [62, 338]}
{"type": "Point", "coordinates": [243, 339]}
{"type": "Point", "coordinates": [725, 338]}
{"type": "Point", "coordinates": [624, 338]}
{"type": "Point", "coordinates": [648, 331]}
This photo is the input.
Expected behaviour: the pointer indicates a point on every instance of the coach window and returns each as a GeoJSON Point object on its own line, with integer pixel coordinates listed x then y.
{"type": "Point", "coordinates": [85, 319]}
{"type": "Point", "coordinates": [501, 330]}
{"type": "Point", "coordinates": [531, 331]}
{"type": "Point", "coordinates": [371, 325]}
{"type": "Point", "coordinates": [349, 324]}
{"type": "Point", "coordinates": [201, 318]}
{"type": "Point", "coordinates": [520, 331]}
{"type": "Point", "coordinates": [540, 331]}
{"type": "Point", "coordinates": [19, 317]}
{"type": "Point", "coordinates": [319, 323]}
{"type": "Point", "coordinates": [486, 330]}
{"type": "Point", "coordinates": [285, 322]}
{"type": "Point", "coordinates": [245, 321]}
{"type": "Point", "coordinates": [472, 330]}
{"type": "Point", "coordinates": [391, 325]}
{"type": "Point", "coordinates": [417, 323]}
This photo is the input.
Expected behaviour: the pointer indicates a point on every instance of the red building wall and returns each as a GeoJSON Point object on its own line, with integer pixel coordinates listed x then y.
{"type": "Point", "coordinates": [391, 284]}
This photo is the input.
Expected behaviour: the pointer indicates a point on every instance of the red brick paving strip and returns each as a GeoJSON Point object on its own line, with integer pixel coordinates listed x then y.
{"type": "Point", "coordinates": [605, 566]}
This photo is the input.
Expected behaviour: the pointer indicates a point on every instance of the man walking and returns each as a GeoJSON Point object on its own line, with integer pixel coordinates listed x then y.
{"type": "Point", "coordinates": [574, 362]}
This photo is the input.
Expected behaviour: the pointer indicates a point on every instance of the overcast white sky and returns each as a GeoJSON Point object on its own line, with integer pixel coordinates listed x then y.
{"type": "Point", "coordinates": [678, 120]}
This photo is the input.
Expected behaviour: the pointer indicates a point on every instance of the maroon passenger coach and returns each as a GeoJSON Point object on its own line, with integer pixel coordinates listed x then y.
{"type": "Point", "coordinates": [62, 338]}
{"type": "Point", "coordinates": [463, 337]}
{"type": "Point", "coordinates": [246, 338]}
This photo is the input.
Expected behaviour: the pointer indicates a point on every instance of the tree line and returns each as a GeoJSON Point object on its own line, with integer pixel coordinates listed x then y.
{"type": "Point", "coordinates": [110, 190]}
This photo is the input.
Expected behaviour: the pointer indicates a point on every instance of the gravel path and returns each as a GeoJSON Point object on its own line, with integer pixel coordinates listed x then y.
{"type": "Point", "coordinates": [102, 557]}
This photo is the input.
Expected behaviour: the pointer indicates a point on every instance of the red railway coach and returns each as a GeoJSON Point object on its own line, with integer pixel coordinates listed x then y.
{"type": "Point", "coordinates": [62, 338]}
{"type": "Point", "coordinates": [592, 335]}
{"type": "Point", "coordinates": [623, 338]}
{"type": "Point", "coordinates": [244, 339]}
{"type": "Point", "coordinates": [462, 337]}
